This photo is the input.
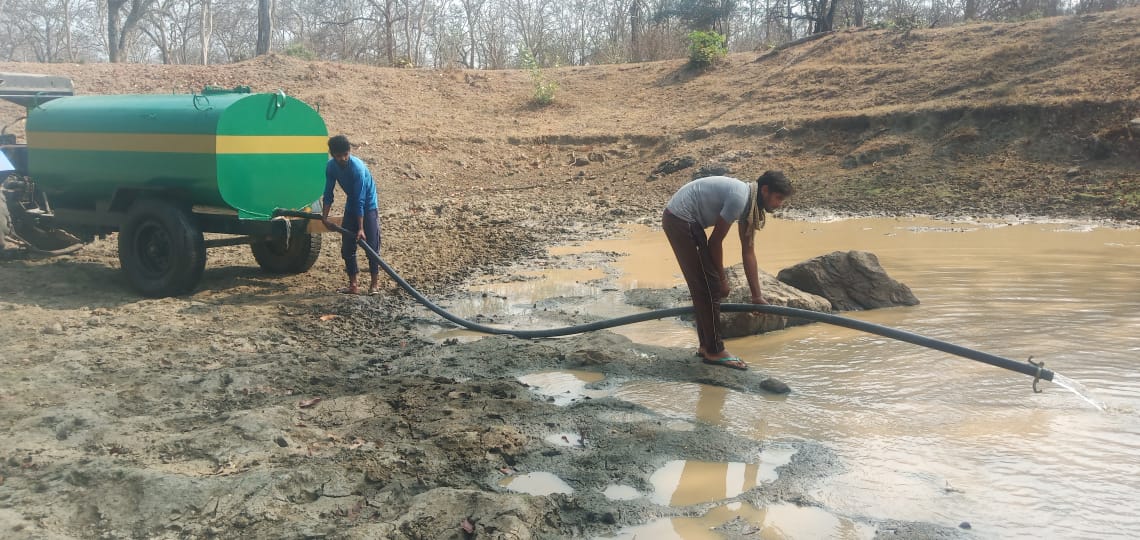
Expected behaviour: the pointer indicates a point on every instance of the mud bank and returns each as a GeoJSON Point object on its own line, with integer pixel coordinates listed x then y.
{"type": "Point", "coordinates": [343, 417]}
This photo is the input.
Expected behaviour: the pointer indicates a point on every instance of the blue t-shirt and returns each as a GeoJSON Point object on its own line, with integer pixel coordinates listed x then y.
{"type": "Point", "coordinates": [356, 182]}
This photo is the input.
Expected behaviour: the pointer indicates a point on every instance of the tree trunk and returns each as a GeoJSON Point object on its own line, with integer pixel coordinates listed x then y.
{"type": "Point", "coordinates": [114, 24]}
{"type": "Point", "coordinates": [825, 19]}
{"type": "Point", "coordinates": [119, 29]}
{"type": "Point", "coordinates": [971, 10]}
{"type": "Point", "coordinates": [70, 51]}
{"type": "Point", "coordinates": [207, 31]}
{"type": "Point", "coordinates": [264, 26]}
{"type": "Point", "coordinates": [635, 18]}
{"type": "Point", "coordinates": [472, 10]}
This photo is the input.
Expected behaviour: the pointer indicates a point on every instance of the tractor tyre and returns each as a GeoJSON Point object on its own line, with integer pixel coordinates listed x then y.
{"type": "Point", "coordinates": [161, 249]}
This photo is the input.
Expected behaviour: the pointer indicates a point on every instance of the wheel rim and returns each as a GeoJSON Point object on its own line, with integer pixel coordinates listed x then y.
{"type": "Point", "coordinates": [152, 243]}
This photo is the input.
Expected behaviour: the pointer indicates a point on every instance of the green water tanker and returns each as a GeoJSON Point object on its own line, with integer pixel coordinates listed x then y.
{"type": "Point", "coordinates": [162, 170]}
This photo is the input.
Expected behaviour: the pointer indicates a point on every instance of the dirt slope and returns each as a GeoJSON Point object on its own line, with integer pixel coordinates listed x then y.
{"type": "Point", "coordinates": [181, 417]}
{"type": "Point", "coordinates": [1020, 118]}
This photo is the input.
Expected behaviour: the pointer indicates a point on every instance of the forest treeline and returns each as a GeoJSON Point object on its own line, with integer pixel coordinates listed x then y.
{"type": "Point", "coordinates": [474, 34]}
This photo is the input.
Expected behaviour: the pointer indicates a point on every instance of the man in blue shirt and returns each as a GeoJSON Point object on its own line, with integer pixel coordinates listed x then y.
{"type": "Point", "coordinates": [361, 219]}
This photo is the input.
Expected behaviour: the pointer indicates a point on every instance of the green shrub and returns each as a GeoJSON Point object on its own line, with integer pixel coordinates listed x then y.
{"type": "Point", "coordinates": [706, 48]}
{"type": "Point", "coordinates": [902, 23]}
{"type": "Point", "coordinates": [544, 89]}
{"type": "Point", "coordinates": [299, 50]}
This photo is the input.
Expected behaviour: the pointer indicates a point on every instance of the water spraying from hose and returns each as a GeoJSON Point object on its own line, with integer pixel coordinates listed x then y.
{"type": "Point", "coordinates": [1080, 390]}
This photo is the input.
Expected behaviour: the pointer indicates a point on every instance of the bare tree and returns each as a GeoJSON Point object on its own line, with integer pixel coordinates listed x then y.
{"type": "Point", "coordinates": [496, 42]}
{"type": "Point", "coordinates": [483, 34]}
{"type": "Point", "coordinates": [233, 39]}
{"type": "Point", "coordinates": [823, 15]}
{"type": "Point", "coordinates": [67, 15]}
{"type": "Point", "coordinates": [205, 30]}
{"type": "Point", "coordinates": [120, 29]}
{"type": "Point", "coordinates": [473, 13]}
{"type": "Point", "coordinates": [171, 27]}
{"type": "Point", "coordinates": [530, 20]}
{"type": "Point", "coordinates": [416, 19]}
{"type": "Point", "coordinates": [386, 15]}
{"type": "Point", "coordinates": [264, 26]}
{"type": "Point", "coordinates": [638, 18]}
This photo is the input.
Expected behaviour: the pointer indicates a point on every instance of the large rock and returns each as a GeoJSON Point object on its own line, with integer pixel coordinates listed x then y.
{"type": "Point", "coordinates": [851, 280]}
{"type": "Point", "coordinates": [776, 293]}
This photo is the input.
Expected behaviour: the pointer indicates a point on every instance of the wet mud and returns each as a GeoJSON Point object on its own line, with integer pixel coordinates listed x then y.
{"type": "Point", "coordinates": [219, 415]}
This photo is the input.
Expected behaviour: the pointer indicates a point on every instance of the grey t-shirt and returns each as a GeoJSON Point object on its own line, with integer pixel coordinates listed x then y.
{"type": "Point", "coordinates": [705, 199]}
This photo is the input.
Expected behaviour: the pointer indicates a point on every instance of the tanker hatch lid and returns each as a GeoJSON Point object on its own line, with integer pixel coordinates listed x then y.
{"type": "Point", "coordinates": [29, 89]}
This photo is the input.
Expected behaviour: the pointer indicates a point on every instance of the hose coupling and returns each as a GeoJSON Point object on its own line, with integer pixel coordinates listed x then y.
{"type": "Point", "coordinates": [1040, 367]}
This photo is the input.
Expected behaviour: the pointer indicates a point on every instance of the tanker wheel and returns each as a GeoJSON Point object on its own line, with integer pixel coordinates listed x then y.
{"type": "Point", "coordinates": [161, 250]}
{"type": "Point", "coordinates": [298, 257]}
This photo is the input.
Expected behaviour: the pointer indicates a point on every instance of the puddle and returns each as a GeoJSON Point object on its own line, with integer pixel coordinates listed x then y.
{"type": "Point", "coordinates": [624, 417]}
{"type": "Point", "coordinates": [680, 425]}
{"type": "Point", "coordinates": [686, 482]}
{"type": "Point", "coordinates": [776, 522]}
{"type": "Point", "coordinates": [520, 296]}
{"type": "Point", "coordinates": [910, 444]}
{"type": "Point", "coordinates": [616, 492]}
{"type": "Point", "coordinates": [536, 483]}
{"type": "Point", "coordinates": [739, 413]}
{"type": "Point", "coordinates": [564, 387]}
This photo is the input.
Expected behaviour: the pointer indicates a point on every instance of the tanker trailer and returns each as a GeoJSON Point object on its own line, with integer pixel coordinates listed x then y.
{"type": "Point", "coordinates": [161, 170]}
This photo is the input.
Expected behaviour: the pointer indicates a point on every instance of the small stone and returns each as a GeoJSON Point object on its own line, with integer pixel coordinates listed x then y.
{"type": "Point", "coordinates": [1073, 172]}
{"type": "Point", "coordinates": [53, 329]}
{"type": "Point", "coordinates": [281, 441]}
{"type": "Point", "coordinates": [964, 525]}
{"type": "Point", "coordinates": [774, 385]}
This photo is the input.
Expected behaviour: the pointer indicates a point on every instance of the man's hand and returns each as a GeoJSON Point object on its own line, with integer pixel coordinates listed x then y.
{"type": "Point", "coordinates": [724, 287]}
{"type": "Point", "coordinates": [325, 219]}
{"type": "Point", "coordinates": [757, 299]}
{"type": "Point", "coordinates": [360, 235]}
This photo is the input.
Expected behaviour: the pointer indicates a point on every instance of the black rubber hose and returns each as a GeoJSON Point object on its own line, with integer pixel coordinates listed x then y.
{"type": "Point", "coordinates": [1013, 365]}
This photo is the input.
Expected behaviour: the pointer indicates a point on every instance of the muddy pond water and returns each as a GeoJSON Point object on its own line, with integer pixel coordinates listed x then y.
{"type": "Point", "coordinates": [923, 436]}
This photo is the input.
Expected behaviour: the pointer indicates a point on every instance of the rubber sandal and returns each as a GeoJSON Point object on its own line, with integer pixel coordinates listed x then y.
{"type": "Point", "coordinates": [347, 290]}
{"type": "Point", "coordinates": [726, 362]}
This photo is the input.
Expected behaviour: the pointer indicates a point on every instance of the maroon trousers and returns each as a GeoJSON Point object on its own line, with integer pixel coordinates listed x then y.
{"type": "Point", "coordinates": [691, 247]}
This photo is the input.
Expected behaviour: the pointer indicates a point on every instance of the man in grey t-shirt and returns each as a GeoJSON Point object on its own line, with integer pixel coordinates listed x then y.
{"type": "Point", "coordinates": [718, 202]}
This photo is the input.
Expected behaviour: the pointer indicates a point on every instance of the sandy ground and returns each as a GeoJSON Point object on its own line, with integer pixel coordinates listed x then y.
{"type": "Point", "coordinates": [196, 416]}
